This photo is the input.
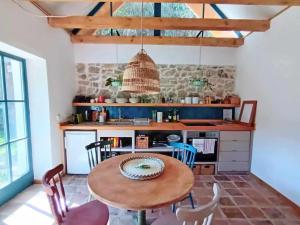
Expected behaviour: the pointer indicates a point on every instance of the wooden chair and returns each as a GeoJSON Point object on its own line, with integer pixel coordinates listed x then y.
{"type": "Point", "coordinates": [186, 154]}
{"type": "Point", "coordinates": [91, 213]}
{"type": "Point", "coordinates": [95, 153]}
{"type": "Point", "coordinates": [200, 215]}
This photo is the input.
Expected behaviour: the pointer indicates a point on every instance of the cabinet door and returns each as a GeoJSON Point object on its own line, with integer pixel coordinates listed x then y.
{"type": "Point", "coordinates": [76, 155]}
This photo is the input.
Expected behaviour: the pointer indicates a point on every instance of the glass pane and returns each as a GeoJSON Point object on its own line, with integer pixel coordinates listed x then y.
{"type": "Point", "coordinates": [19, 158]}
{"type": "Point", "coordinates": [3, 135]}
{"type": "Point", "coordinates": [14, 79]}
{"type": "Point", "coordinates": [4, 166]}
{"type": "Point", "coordinates": [16, 120]}
{"type": "Point", "coordinates": [1, 81]}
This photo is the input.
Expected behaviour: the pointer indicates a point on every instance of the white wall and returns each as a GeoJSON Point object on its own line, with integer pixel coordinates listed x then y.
{"type": "Point", "coordinates": [268, 70]}
{"type": "Point", "coordinates": [50, 77]}
{"type": "Point", "coordinates": [161, 54]}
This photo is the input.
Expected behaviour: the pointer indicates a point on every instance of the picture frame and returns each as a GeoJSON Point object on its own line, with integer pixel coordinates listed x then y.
{"type": "Point", "coordinates": [248, 113]}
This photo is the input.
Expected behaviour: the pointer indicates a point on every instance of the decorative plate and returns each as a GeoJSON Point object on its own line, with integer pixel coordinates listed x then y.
{"type": "Point", "coordinates": [142, 167]}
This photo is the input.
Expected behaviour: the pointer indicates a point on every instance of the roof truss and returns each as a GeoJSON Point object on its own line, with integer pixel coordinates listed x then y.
{"type": "Point", "coordinates": [236, 2]}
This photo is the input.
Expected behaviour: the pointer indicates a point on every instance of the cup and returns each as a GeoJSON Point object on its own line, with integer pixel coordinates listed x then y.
{"type": "Point", "coordinates": [195, 100]}
{"type": "Point", "coordinates": [101, 99]}
{"type": "Point", "coordinates": [159, 117]}
{"type": "Point", "coordinates": [188, 100]}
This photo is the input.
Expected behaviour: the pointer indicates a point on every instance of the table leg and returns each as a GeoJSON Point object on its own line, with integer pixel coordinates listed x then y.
{"type": "Point", "coordinates": [141, 220]}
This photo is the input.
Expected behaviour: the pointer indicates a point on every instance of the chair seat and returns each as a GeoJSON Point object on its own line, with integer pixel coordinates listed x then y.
{"type": "Point", "coordinates": [91, 213]}
{"type": "Point", "coordinates": [167, 219]}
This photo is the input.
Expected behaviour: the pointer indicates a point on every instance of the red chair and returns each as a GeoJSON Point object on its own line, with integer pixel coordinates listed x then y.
{"type": "Point", "coordinates": [91, 213]}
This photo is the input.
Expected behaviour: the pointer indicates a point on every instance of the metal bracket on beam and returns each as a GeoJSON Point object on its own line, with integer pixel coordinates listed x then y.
{"type": "Point", "coordinates": [91, 13]}
{"type": "Point", "coordinates": [157, 13]}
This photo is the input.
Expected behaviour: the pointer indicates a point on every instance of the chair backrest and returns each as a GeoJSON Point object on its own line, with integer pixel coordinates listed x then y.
{"type": "Point", "coordinates": [200, 215]}
{"type": "Point", "coordinates": [94, 151]}
{"type": "Point", "coordinates": [184, 152]}
{"type": "Point", "coordinates": [56, 193]}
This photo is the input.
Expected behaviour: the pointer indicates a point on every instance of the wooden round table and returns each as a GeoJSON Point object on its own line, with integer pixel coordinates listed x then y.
{"type": "Point", "coordinates": [107, 184]}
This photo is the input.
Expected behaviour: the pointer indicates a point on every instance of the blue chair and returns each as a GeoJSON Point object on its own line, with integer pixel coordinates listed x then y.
{"type": "Point", "coordinates": [186, 154]}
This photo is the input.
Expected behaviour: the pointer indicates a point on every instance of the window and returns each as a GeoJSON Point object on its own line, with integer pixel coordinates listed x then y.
{"type": "Point", "coordinates": [14, 132]}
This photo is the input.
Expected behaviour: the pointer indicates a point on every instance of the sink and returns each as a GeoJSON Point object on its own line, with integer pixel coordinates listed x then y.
{"type": "Point", "coordinates": [199, 124]}
{"type": "Point", "coordinates": [124, 123]}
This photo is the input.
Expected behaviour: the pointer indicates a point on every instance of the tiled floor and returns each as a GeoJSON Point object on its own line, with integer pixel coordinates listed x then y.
{"type": "Point", "coordinates": [245, 200]}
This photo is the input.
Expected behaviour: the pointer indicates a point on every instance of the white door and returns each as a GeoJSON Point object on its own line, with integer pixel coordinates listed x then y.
{"type": "Point", "coordinates": [76, 155]}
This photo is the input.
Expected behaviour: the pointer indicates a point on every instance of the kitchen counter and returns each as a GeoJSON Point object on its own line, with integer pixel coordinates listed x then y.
{"type": "Point", "coordinates": [219, 125]}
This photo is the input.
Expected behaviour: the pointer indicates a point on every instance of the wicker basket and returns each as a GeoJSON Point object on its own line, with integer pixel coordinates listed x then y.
{"type": "Point", "coordinates": [141, 75]}
{"type": "Point", "coordinates": [142, 141]}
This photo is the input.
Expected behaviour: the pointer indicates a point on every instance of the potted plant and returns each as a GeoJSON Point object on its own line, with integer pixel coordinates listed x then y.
{"type": "Point", "coordinates": [114, 82]}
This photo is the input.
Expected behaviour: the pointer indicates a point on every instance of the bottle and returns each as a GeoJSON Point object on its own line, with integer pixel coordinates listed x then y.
{"type": "Point", "coordinates": [174, 119]}
{"type": "Point", "coordinates": [177, 116]}
{"type": "Point", "coordinates": [170, 116]}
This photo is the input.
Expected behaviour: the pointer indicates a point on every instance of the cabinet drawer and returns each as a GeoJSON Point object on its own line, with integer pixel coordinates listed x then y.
{"type": "Point", "coordinates": [235, 146]}
{"type": "Point", "coordinates": [233, 166]}
{"type": "Point", "coordinates": [234, 156]}
{"type": "Point", "coordinates": [235, 136]}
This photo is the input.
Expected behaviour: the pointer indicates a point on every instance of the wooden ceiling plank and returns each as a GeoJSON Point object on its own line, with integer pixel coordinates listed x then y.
{"type": "Point", "coordinates": [152, 23]}
{"type": "Point", "coordinates": [159, 40]}
{"type": "Point", "coordinates": [237, 2]}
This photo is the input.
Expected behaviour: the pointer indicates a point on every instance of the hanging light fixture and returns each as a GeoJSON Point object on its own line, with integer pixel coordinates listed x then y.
{"type": "Point", "coordinates": [141, 74]}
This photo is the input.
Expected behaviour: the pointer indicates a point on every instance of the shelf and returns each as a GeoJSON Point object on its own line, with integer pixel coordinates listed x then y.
{"type": "Point", "coordinates": [156, 105]}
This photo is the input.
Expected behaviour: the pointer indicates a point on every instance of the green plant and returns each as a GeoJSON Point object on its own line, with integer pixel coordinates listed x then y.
{"type": "Point", "coordinates": [202, 83]}
{"type": "Point", "coordinates": [115, 82]}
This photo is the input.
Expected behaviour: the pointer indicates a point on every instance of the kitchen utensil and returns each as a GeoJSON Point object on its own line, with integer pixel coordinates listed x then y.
{"type": "Point", "coordinates": [109, 100]}
{"type": "Point", "coordinates": [173, 138]}
{"type": "Point", "coordinates": [134, 100]}
{"type": "Point", "coordinates": [121, 100]}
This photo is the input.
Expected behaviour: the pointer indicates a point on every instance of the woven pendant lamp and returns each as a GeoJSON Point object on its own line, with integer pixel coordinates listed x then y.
{"type": "Point", "coordinates": [141, 74]}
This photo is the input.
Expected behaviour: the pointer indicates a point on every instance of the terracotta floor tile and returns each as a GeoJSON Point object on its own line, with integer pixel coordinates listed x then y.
{"type": "Point", "coordinates": [250, 191]}
{"type": "Point", "coordinates": [226, 184]}
{"type": "Point", "coordinates": [242, 201]}
{"type": "Point", "coordinates": [239, 222]}
{"type": "Point", "coordinates": [279, 201]}
{"type": "Point", "coordinates": [232, 212]}
{"type": "Point", "coordinates": [290, 213]}
{"type": "Point", "coordinates": [252, 212]}
{"type": "Point", "coordinates": [261, 222]}
{"type": "Point", "coordinates": [242, 184]}
{"type": "Point", "coordinates": [220, 222]}
{"type": "Point", "coordinates": [234, 192]}
{"type": "Point", "coordinates": [261, 201]}
{"type": "Point", "coordinates": [226, 201]}
{"type": "Point", "coordinates": [235, 177]}
{"type": "Point", "coordinates": [286, 222]}
{"type": "Point", "coordinates": [273, 213]}
{"type": "Point", "coordinates": [199, 184]}
{"type": "Point", "coordinates": [221, 178]}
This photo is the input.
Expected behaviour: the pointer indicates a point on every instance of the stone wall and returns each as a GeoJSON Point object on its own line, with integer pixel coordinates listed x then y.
{"type": "Point", "coordinates": [174, 79]}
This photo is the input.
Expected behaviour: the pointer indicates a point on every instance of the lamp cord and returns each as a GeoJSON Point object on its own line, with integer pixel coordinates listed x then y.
{"type": "Point", "coordinates": [200, 49]}
{"type": "Point", "coordinates": [142, 15]}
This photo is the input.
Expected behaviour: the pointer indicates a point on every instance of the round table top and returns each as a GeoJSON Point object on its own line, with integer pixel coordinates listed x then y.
{"type": "Point", "coordinates": [107, 184]}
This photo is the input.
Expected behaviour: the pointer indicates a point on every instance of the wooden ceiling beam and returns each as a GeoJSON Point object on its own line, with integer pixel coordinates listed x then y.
{"type": "Point", "coordinates": [236, 2]}
{"type": "Point", "coordinates": [152, 23]}
{"type": "Point", "coordinates": [159, 40]}
{"type": "Point", "coordinates": [104, 11]}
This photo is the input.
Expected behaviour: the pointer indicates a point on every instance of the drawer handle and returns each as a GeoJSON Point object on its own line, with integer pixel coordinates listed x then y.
{"type": "Point", "coordinates": [234, 150]}
{"type": "Point", "coordinates": [234, 160]}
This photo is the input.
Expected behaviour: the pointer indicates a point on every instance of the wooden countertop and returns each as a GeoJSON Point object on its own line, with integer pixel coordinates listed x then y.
{"type": "Point", "coordinates": [219, 126]}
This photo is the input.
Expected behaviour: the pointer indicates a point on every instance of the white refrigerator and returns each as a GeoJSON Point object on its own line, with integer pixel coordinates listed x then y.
{"type": "Point", "coordinates": [76, 155]}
